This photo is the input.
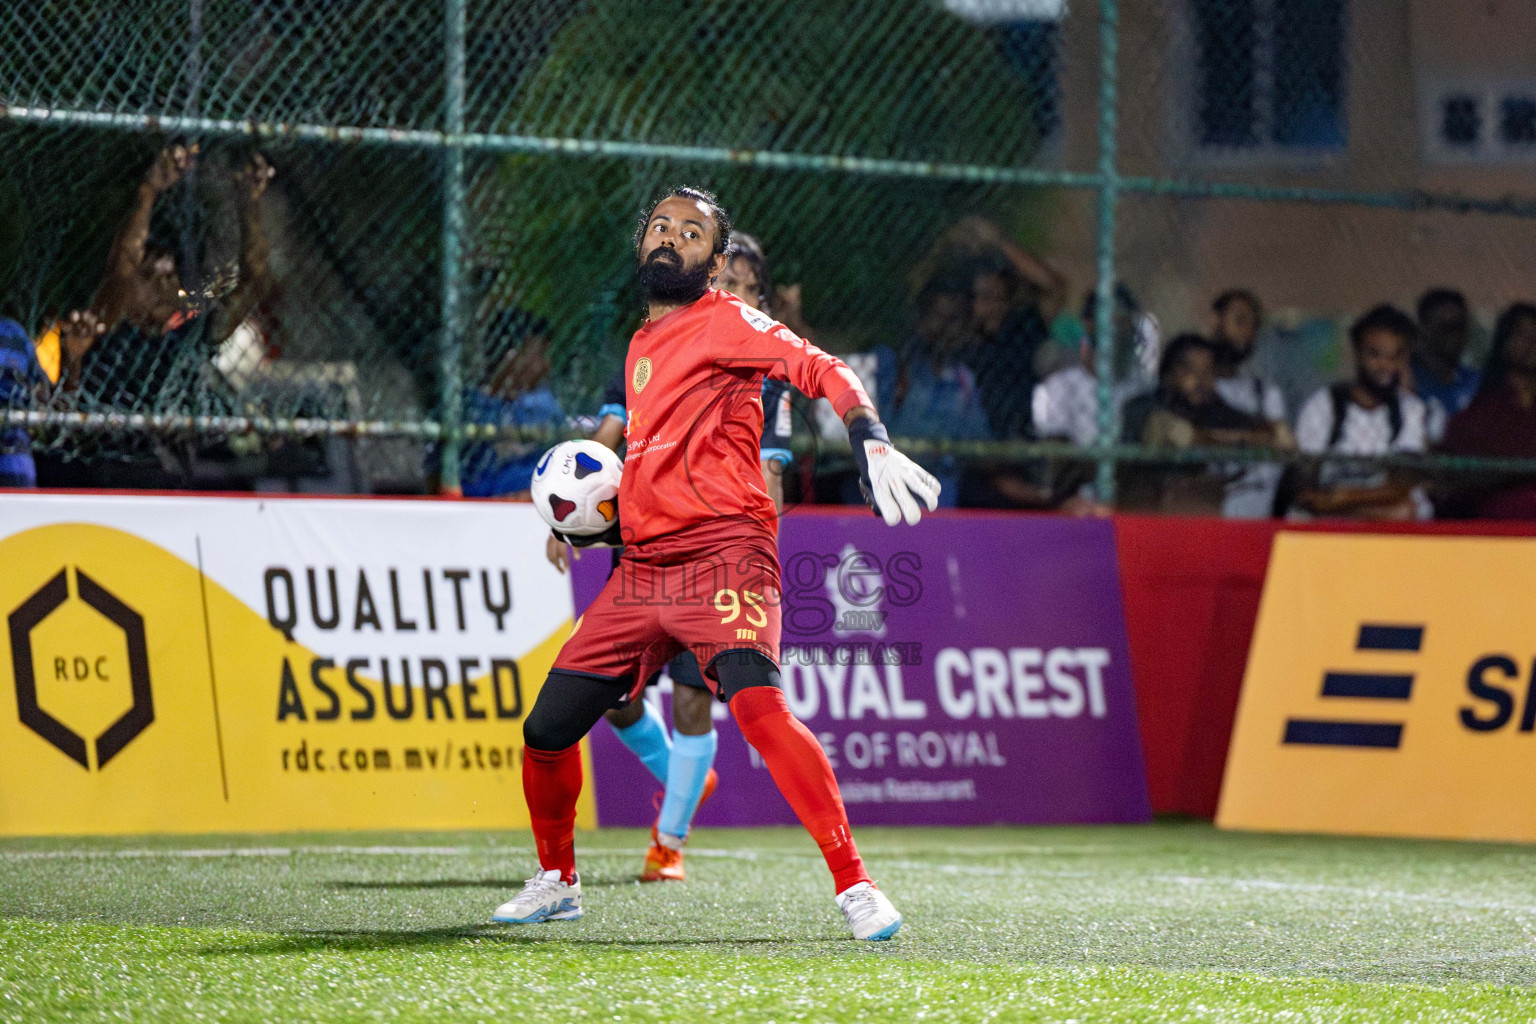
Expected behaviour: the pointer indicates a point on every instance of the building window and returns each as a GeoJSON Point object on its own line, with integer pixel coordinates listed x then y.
{"type": "Point", "coordinates": [1027, 34]}
{"type": "Point", "coordinates": [1488, 121]}
{"type": "Point", "coordinates": [1517, 125]}
{"type": "Point", "coordinates": [1462, 122]}
{"type": "Point", "coordinates": [1271, 74]}
{"type": "Point", "coordinates": [1032, 49]}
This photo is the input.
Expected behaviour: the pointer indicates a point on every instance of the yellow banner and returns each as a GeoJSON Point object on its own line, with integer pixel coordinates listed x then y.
{"type": "Point", "coordinates": [140, 694]}
{"type": "Point", "coordinates": [1390, 690]}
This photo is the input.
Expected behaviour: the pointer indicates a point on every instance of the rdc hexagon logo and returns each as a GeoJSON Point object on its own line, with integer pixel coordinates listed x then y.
{"type": "Point", "coordinates": [81, 666]}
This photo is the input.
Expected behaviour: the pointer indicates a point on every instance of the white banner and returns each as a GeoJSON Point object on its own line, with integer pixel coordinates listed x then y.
{"type": "Point", "coordinates": [209, 664]}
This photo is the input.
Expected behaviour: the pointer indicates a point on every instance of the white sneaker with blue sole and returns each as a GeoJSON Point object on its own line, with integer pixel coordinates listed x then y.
{"type": "Point", "coordinates": [545, 897]}
{"type": "Point", "coordinates": [869, 912]}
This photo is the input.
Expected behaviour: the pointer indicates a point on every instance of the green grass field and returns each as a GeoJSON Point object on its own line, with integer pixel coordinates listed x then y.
{"type": "Point", "coordinates": [1173, 922]}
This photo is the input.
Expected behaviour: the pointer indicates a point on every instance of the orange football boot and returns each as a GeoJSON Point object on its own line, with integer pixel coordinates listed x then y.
{"type": "Point", "coordinates": [662, 863]}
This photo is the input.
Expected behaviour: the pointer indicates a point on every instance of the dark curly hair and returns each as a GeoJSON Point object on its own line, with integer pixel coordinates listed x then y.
{"type": "Point", "coordinates": [744, 247]}
{"type": "Point", "coordinates": [1384, 318]}
{"type": "Point", "coordinates": [1437, 297]}
{"type": "Point", "coordinates": [1176, 349]}
{"type": "Point", "coordinates": [718, 212]}
{"type": "Point", "coordinates": [1497, 367]}
{"type": "Point", "coordinates": [1224, 301]}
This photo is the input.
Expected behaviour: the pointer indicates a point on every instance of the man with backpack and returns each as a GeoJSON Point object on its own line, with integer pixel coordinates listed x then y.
{"type": "Point", "coordinates": [1369, 416]}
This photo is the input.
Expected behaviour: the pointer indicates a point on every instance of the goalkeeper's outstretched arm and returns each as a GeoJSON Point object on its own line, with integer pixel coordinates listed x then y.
{"type": "Point", "coordinates": [893, 484]}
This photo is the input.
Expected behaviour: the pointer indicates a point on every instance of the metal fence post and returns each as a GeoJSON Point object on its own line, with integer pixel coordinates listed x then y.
{"type": "Point", "coordinates": [1104, 246]}
{"type": "Point", "coordinates": [451, 345]}
{"type": "Point", "coordinates": [191, 264]}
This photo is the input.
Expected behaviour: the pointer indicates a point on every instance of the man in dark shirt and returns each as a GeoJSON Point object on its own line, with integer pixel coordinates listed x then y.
{"type": "Point", "coordinates": [1014, 297]}
{"type": "Point", "coordinates": [1439, 377]}
{"type": "Point", "coordinates": [1185, 411]}
{"type": "Point", "coordinates": [1186, 394]}
{"type": "Point", "coordinates": [157, 342]}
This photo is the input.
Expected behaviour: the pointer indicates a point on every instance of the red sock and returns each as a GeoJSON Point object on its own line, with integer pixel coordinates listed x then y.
{"type": "Point", "coordinates": [799, 768]}
{"type": "Point", "coordinates": [551, 784]}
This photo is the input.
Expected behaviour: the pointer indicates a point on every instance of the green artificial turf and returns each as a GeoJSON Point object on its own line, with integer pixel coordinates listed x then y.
{"type": "Point", "coordinates": [1168, 922]}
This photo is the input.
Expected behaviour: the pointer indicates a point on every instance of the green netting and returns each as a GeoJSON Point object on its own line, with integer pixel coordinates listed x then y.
{"type": "Point", "coordinates": [457, 177]}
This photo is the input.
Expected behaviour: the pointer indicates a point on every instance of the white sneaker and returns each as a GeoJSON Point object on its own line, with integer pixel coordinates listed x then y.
{"type": "Point", "coordinates": [545, 897]}
{"type": "Point", "coordinates": [869, 912]}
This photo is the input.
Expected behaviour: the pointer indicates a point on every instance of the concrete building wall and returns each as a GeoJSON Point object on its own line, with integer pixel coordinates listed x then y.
{"type": "Point", "coordinates": [1305, 260]}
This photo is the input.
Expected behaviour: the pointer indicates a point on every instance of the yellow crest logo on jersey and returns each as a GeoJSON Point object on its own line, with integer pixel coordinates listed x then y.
{"type": "Point", "coordinates": [642, 374]}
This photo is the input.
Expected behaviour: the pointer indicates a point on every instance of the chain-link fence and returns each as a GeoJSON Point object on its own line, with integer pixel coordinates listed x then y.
{"type": "Point", "coordinates": [960, 196]}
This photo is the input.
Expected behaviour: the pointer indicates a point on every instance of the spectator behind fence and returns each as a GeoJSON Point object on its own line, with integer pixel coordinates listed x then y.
{"type": "Point", "coordinates": [1440, 377]}
{"type": "Point", "coordinates": [141, 361]}
{"type": "Point", "coordinates": [1238, 317]}
{"type": "Point", "coordinates": [515, 396]}
{"type": "Point", "coordinates": [927, 391]}
{"type": "Point", "coordinates": [1138, 337]}
{"type": "Point", "coordinates": [1500, 422]}
{"type": "Point", "coordinates": [1065, 405]}
{"type": "Point", "coordinates": [934, 390]}
{"type": "Point", "coordinates": [21, 380]}
{"type": "Point", "coordinates": [1370, 415]}
{"type": "Point", "coordinates": [1014, 297]}
{"type": "Point", "coordinates": [1186, 410]}
{"type": "Point", "coordinates": [27, 381]}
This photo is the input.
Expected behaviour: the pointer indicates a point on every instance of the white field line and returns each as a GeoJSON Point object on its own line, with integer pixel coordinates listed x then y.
{"type": "Point", "coordinates": [349, 851]}
{"type": "Point", "coordinates": [459, 851]}
{"type": "Point", "coordinates": [346, 851]}
{"type": "Point", "coordinates": [1339, 890]}
{"type": "Point", "coordinates": [1259, 884]}
{"type": "Point", "coordinates": [252, 851]}
{"type": "Point", "coordinates": [979, 852]}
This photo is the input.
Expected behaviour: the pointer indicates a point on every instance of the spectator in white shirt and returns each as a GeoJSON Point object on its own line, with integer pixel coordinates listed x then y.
{"type": "Point", "coordinates": [1370, 415]}
{"type": "Point", "coordinates": [1065, 405]}
{"type": "Point", "coordinates": [1238, 317]}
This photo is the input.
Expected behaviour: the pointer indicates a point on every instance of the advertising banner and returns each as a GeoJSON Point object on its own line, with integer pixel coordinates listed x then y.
{"type": "Point", "coordinates": [217, 664]}
{"type": "Point", "coordinates": [972, 669]}
{"type": "Point", "coordinates": [1389, 690]}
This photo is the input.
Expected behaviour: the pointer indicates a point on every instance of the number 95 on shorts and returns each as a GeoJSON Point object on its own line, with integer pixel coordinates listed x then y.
{"type": "Point", "coordinates": [647, 613]}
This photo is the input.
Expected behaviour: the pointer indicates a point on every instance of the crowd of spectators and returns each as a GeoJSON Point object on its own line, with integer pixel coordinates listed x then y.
{"type": "Point", "coordinates": [994, 355]}
{"type": "Point", "coordinates": [996, 352]}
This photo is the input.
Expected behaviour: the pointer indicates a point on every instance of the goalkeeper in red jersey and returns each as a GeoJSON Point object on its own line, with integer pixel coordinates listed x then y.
{"type": "Point", "coordinates": [700, 569]}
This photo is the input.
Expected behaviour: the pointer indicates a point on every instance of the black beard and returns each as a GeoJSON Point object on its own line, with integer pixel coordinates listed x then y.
{"type": "Point", "coordinates": [668, 280]}
{"type": "Point", "coordinates": [1229, 357]}
{"type": "Point", "coordinates": [1376, 391]}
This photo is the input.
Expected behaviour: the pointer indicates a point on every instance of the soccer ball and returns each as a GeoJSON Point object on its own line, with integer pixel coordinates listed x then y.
{"type": "Point", "coordinates": [576, 487]}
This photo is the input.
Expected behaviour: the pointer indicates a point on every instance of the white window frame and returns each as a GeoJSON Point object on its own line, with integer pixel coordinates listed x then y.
{"type": "Point", "coordinates": [1490, 92]}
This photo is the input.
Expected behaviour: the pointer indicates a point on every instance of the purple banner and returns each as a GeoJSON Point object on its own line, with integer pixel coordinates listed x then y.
{"type": "Point", "coordinates": [969, 670]}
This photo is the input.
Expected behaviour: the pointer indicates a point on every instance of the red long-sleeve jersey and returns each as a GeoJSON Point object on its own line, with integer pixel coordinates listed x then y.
{"type": "Point", "coordinates": [693, 390]}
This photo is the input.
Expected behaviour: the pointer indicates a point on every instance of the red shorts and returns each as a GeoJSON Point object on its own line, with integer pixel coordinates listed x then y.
{"type": "Point", "coordinates": [727, 600]}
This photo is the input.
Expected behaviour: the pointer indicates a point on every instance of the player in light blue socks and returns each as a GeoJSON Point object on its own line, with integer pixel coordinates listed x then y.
{"type": "Point", "coordinates": [693, 757]}
{"type": "Point", "coordinates": [647, 738]}
{"type": "Point", "coordinates": [682, 762]}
